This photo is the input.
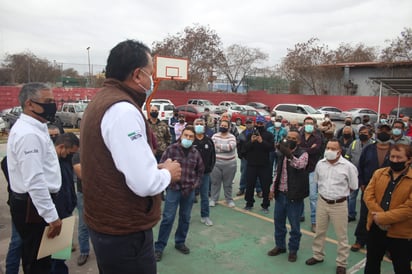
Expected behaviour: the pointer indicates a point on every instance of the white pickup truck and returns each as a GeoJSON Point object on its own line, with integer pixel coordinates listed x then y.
{"type": "Point", "coordinates": [71, 114]}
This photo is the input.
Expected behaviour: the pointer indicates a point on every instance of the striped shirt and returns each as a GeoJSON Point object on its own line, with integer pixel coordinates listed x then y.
{"type": "Point", "coordinates": [225, 146]}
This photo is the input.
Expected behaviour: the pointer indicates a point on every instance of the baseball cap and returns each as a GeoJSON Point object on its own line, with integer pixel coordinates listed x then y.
{"type": "Point", "coordinates": [260, 119]}
{"type": "Point", "coordinates": [382, 125]}
{"type": "Point", "coordinates": [249, 120]}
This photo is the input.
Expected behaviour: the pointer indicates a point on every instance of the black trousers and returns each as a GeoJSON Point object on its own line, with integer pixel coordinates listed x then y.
{"type": "Point", "coordinates": [126, 254]}
{"type": "Point", "coordinates": [361, 233]}
{"type": "Point", "coordinates": [378, 243]}
{"type": "Point", "coordinates": [31, 234]}
{"type": "Point", "coordinates": [265, 178]}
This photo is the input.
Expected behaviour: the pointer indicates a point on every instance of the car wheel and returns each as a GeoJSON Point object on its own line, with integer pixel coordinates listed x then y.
{"type": "Point", "coordinates": [357, 120]}
{"type": "Point", "coordinates": [238, 122]}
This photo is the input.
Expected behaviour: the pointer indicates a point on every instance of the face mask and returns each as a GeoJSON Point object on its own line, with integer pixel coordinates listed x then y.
{"type": "Point", "coordinates": [150, 90]}
{"type": "Point", "coordinates": [331, 155]}
{"type": "Point", "coordinates": [292, 144]}
{"type": "Point", "coordinates": [383, 121]}
{"type": "Point", "coordinates": [348, 123]}
{"type": "Point", "coordinates": [396, 131]}
{"type": "Point", "coordinates": [309, 128]}
{"type": "Point", "coordinates": [199, 129]}
{"type": "Point", "coordinates": [363, 137]}
{"type": "Point", "coordinates": [181, 121]}
{"type": "Point", "coordinates": [278, 124]}
{"type": "Point", "coordinates": [223, 129]}
{"type": "Point", "coordinates": [347, 136]}
{"type": "Point", "coordinates": [154, 114]}
{"type": "Point", "coordinates": [49, 110]}
{"type": "Point", "coordinates": [186, 143]}
{"type": "Point", "coordinates": [260, 128]}
{"type": "Point", "coordinates": [383, 136]}
{"type": "Point", "coordinates": [397, 166]}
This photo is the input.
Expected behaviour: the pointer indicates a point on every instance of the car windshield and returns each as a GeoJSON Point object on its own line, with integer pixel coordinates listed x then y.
{"type": "Point", "coordinates": [311, 110]}
{"type": "Point", "coordinates": [207, 103]}
{"type": "Point", "coordinates": [263, 112]}
{"type": "Point", "coordinates": [80, 107]}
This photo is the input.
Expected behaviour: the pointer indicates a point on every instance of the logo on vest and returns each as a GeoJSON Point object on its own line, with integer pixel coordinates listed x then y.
{"type": "Point", "coordinates": [134, 135]}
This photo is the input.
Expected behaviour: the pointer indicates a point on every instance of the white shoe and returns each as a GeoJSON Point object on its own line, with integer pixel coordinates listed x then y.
{"type": "Point", "coordinates": [212, 203]}
{"type": "Point", "coordinates": [231, 204]}
{"type": "Point", "coordinates": [206, 221]}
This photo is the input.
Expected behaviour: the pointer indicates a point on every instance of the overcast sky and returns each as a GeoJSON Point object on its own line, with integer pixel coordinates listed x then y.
{"type": "Point", "coordinates": [61, 30]}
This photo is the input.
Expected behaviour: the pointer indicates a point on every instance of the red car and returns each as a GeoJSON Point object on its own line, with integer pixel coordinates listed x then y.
{"type": "Point", "coordinates": [192, 112]}
{"type": "Point", "coordinates": [240, 117]}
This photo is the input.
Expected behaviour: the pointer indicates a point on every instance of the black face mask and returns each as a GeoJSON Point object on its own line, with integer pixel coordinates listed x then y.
{"type": "Point", "coordinates": [348, 123]}
{"type": "Point", "coordinates": [260, 128]}
{"type": "Point", "coordinates": [223, 129]}
{"type": "Point", "coordinates": [49, 110]}
{"type": "Point", "coordinates": [363, 137]}
{"type": "Point", "coordinates": [154, 114]}
{"type": "Point", "coordinates": [347, 135]}
{"type": "Point", "coordinates": [399, 166]}
{"type": "Point", "coordinates": [292, 144]}
{"type": "Point", "coordinates": [383, 136]}
{"type": "Point", "coordinates": [365, 121]}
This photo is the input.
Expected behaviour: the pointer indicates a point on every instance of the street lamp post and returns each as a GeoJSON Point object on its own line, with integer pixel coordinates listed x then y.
{"type": "Point", "coordinates": [88, 61]}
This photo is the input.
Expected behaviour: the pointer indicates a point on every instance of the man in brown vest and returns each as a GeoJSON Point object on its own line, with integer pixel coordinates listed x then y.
{"type": "Point", "coordinates": [122, 181]}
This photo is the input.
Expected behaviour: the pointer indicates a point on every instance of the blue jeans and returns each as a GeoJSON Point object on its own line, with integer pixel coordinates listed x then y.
{"type": "Point", "coordinates": [242, 182]}
{"type": "Point", "coordinates": [83, 231]}
{"type": "Point", "coordinates": [292, 210]}
{"type": "Point", "coordinates": [204, 195]}
{"type": "Point", "coordinates": [14, 252]}
{"type": "Point", "coordinates": [313, 198]}
{"type": "Point", "coordinates": [352, 203]}
{"type": "Point", "coordinates": [174, 199]}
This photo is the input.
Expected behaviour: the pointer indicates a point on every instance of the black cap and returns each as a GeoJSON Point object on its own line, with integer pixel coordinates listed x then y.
{"type": "Point", "coordinates": [380, 126]}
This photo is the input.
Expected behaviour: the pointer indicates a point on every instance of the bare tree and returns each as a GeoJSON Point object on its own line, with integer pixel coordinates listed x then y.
{"type": "Point", "coordinates": [359, 53]}
{"type": "Point", "coordinates": [200, 44]}
{"type": "Point", "coordinates": [400, 48]}
{"type": "Point", "coordinates": [238, 61]}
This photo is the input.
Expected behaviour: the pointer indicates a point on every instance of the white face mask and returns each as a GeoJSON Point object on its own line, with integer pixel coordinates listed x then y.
{"type": "Point", "coordinates": [150, 90]}
{"type": "Point", "coordinates": [278, 124]}
{"type": "Point", "coordinates": [331, 154]}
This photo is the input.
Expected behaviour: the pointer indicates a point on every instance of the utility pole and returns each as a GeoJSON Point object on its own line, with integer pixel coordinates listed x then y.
{"type": "Point", "coordinates": [88, 61]}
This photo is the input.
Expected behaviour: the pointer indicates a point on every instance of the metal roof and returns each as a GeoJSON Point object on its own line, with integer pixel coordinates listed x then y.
{"type": "Point", "coordinates": [399, 85]}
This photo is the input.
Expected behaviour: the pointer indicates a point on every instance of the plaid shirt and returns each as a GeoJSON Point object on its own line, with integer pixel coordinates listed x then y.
{"type": "Point", "coordinates": [192, 167]}
{"type": "Point", "coordinates": [298, 163]}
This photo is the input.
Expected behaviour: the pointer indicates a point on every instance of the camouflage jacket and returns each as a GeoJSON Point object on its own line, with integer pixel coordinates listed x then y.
{"type": "Point", "coordinates": [163, 138]}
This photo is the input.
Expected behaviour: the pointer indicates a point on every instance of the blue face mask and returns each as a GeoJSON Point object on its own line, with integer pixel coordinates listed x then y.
{"type": "Point", "coordinates": [396, 131]}
{"type": "Point", "coordinates": [186, 143]}
{"type": "Point", "coordinates": [199, 129]}
{"type": "Point", "coordinates": [383, 121]}
{"type": "Point", "coordinates": [309, 128]}
{"type": "Point", "coordinates": [148, 91]}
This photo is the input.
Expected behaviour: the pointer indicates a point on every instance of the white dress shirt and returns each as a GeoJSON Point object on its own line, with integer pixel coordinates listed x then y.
{"type": "Point", "coordinates": [336, 180]}
{"type": "Point", "coordinates": [124, 133]}
{"type": "Point", "coordinates": [33, 164]}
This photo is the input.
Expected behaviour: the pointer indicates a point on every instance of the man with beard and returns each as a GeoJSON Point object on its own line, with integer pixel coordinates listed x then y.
{"type": "Point", "coordinates": [373, 157]}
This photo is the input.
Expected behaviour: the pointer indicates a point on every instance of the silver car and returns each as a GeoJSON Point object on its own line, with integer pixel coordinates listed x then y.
{"type": "Point", "coordinates": [334, 112]}
{"type": "Point", "coordinates": [358, 113]}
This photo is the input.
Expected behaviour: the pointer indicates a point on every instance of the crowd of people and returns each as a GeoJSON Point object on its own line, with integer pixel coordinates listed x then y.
{"type": "Point", "coordinates": [128, 165]}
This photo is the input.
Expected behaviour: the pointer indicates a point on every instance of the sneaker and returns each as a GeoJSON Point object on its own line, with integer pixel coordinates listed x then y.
{"type": "Point", "coordinates": [248, 208]}
{"type": "Point", "coordinates": [183, 248]}
{"type": "Point", "coordinates": [212, 203]}
{"type": "Point", "coordinates": [82, 259]}
{"type": "Point", "coordinates": [158, 255]}
{"type": "Point", "coordinates": [240, 192]}
{"type": "Point", "coordinates": [206, 221]}
{"type": "Point", "coordinates": [265, 210]}
{"type": "Point", "coordinates": [231, 204]}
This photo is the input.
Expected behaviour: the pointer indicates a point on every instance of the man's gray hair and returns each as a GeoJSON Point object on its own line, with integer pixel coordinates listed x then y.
{"type": "Point", "coordinates": [30, 91]}
{"type": "Point", "coordinates": [199, 120]}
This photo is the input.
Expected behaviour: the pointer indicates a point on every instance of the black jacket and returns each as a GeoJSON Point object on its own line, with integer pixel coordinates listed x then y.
{"type": "Point", "coordinates": [298, 179]}
{"type": "Point", "coordinates": [206, 147]}
{"type": "Point", "coordinates": [257, 154]}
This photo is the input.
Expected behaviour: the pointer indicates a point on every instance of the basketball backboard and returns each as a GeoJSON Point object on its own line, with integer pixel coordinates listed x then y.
{"type": "Point", "coordinates": [171, 68]}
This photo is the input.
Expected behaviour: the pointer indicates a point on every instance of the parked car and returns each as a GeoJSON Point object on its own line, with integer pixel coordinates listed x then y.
{"type": "Point", "coordinates": [259, 105]}
{"type": "Point", "coordinates": [165, 107]}
{"type": "Point", "coordinates": [403, 111]}
{"type": "Point", "coordinates": [71, 114]}
{"type": "Point", "coordinates": [206, 103]}
{"type": "Point", "coordinates": [239, 108]}
{"type": "Point", "coordinates": [227, 104]}
{"type": "Point", "coordinates": [357, 115]}
{"type": "Point", "coordinates": [2, 125]}
{"type": "Point", "coordinates": [298, 112]}
{"type": "Point", "coordinates": [240, 117]}
{"type": "Point", "coordinates": [334, 112]}
{"type": "Point", "coordinates": [11, 117]}
{"type": "Point", "coordinates": [191, 112]}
